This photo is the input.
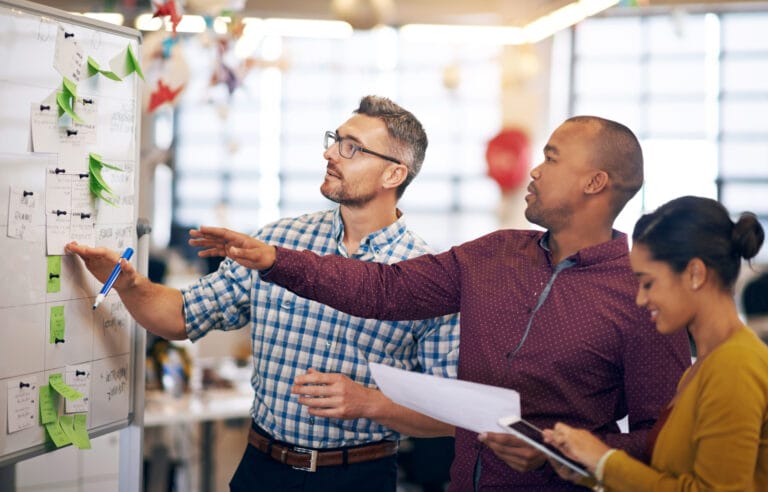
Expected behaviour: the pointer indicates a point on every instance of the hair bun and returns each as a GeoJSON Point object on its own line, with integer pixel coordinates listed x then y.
{"type": "Point", "coordinates": [748, 235]}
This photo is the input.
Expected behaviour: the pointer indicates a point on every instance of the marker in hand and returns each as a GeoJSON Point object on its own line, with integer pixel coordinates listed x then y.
{"type": "Point", "coordinates": [112, 277]}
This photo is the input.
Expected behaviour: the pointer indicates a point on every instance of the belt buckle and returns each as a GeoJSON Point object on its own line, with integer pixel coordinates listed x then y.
{"type": "Point", "coordinates": [312, 459]}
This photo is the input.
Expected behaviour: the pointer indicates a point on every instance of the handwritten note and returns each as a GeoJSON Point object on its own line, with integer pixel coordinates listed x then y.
{"type": "Point", "coordinates": [49, 401]}
{"type": "Point", "coordinates": [22, 204]}
{"type": "Point", "coordinates": [57, 434]}
{"type": "Point", "coordinates": [22, 404]}
{"type": "Point", "coordinates": [80, 438]}
{"type": "Point", "coordinates": [53, 282]}
{"type": "Point", "coordinates": [57, 325]}
{"type": "Point", "coordinates": [78, 377]}
{"type": "Point", "coordinates": [56, 381]}
{"type": "Point", "coordinates": [70, 214]}
{"type": "Point", "coordinates": [68, 57]}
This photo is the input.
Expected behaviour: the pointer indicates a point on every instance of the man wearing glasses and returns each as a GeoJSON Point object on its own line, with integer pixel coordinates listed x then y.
{"type": "Point", "coordinates": [318, 422]}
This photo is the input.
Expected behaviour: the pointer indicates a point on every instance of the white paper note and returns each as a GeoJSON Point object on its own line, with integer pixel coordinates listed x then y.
{"type": "Point", "coordinates": [473, 406]}
{"type": "Point", "coordinates": [22, 205]}
{"type": "Point", "coordinates": [78, 377]}
{"type": "Point", "coordinates": [68, 57]}
{"type": "Point", "coordinates": [22, 404]}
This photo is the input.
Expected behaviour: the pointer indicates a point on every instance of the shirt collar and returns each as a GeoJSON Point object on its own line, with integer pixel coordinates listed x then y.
{"type": "Point", "coordinates": [598, 253]}
{"type": "Point", "coordinates": [375, 241]}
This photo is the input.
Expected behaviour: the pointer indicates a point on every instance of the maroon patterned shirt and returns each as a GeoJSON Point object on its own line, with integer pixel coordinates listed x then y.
{"type": "Point", "coordinates": [589, 355]}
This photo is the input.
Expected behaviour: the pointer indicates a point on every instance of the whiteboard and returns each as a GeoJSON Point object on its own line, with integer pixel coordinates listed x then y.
{"type": "Point", "coordinates": [42, 165]}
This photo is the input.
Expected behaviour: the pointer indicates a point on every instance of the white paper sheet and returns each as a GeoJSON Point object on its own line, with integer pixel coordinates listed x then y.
{"type": "Point", "coordinates": [473, 406]}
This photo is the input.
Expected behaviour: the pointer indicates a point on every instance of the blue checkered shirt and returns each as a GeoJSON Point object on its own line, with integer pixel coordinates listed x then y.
{"type": "Point", "coordinates": [291, 334]}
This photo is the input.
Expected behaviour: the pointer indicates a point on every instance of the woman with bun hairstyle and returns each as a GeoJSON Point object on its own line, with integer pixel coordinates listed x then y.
{"type": "Point", "coordinates": [713, 435]}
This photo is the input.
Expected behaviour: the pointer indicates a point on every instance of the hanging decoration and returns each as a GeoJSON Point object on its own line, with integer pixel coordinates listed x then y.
{"type": "Point", "coordinates": [508, 156]}
{"type": "Point", "coordinates": [170, 9]}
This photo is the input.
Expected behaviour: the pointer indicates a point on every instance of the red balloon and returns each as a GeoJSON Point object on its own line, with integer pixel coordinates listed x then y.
{"type": "Point", "coordinates": [508, 156]}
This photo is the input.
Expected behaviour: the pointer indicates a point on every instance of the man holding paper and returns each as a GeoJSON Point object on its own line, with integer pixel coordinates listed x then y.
{"type": "Point", "coordinates": [550, 314]}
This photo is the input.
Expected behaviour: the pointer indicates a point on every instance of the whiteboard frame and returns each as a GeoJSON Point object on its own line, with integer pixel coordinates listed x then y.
{"type": "Point", "coordinates": [130, 467]}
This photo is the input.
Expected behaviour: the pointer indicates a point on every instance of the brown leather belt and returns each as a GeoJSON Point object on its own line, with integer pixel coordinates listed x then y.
{"type": "Point", "coordinates": [309, 459]}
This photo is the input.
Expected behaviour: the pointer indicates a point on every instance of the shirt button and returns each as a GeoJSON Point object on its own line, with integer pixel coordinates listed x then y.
{"type": "Point", "coordinates": [328, 344]}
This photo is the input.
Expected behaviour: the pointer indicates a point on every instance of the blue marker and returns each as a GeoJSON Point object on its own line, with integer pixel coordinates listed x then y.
{"type": "Point", "coordinates": [112, 277]}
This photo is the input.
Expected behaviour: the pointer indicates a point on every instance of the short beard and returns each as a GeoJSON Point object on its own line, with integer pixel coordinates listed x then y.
{"type": "Point", "coordinates": [343, 198]}
{"type": "Point", "coordinates": [552, 220]}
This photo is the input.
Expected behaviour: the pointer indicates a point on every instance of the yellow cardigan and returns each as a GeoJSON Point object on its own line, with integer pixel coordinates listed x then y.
{"type": "Point", "coordinates": [716, 436]}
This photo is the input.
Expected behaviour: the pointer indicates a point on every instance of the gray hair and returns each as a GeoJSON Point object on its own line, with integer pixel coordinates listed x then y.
{"type": "Point", "coordinates": [405, 130]}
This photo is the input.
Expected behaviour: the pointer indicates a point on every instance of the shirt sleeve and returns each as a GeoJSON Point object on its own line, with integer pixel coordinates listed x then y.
{"type": "Point", "coordinates": [423, 287]}
{"type": "Point", "coordinates": [218, 301]}
{"type": "Point", "coordinates": [439, 347]}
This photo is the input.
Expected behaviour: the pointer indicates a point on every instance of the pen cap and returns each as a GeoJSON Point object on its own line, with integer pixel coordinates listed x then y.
{"type": "Point", "coordinates": [127, 253]}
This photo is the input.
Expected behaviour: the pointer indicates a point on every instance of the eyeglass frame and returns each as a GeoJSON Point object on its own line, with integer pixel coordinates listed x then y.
{"type": "Point", "coordinates": [337, 140]}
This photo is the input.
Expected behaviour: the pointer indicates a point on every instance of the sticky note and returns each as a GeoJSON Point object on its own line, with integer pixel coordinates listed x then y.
{"type": "Point", "coordinates": [65, 99]}
{"type": "Point", "coordinates": [67, 424]}
{"type": "Point", "coordinates": [94, 68]}
{"type": "Point", "coordinates": [134, 62]}
{"type": "Point", "coordinates": [48, 404]}
{"type": "Point", "coordinates": [22, 404]}
{"type": "Point", "coordinates": [54, 277]}
{"type": "Point", "coordinates": [57, 324]}
{"type": "Point", "coordinates": [57, 434]}
{"type": "Point", "coordinates": [99, 187]}
{"type": "Point", "coordinates": [80, 437]}
{"type": "Point", "coordinates": [56, 381]}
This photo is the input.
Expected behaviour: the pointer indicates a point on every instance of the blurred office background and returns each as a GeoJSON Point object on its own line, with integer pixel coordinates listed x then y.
{"type": "Point", "coordinates": [261, 81]}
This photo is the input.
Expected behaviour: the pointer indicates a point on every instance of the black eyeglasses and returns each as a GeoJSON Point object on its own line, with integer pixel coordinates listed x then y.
{"type": "Point", "coordinates": [347, 147]}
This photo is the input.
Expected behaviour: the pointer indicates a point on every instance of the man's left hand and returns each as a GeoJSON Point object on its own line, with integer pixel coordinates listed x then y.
{"type": "Point", "coordinates": [334, 395]}
{"type": "Point", "coordinates": [512, 451]}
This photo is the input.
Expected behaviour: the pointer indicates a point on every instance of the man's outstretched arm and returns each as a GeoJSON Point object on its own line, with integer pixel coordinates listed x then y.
{"type": "Point", "coordinates": [156, 307]}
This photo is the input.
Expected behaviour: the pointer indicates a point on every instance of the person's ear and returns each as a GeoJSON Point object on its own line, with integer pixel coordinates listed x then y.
{"type": "Point", "coordinates": [696, 273]}
{"type": "Point", "coordinates": [394, 175]}
{"type": "Point", "coordinates": [597, 183]}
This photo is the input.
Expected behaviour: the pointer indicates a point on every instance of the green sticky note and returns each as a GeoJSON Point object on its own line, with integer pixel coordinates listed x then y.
{"type": "Point", "coordinates": [57, 382]}
{"type": "Point", "coordinates": [65, 104]}
{"type": "Point", "coordinates": [80, 437]}
{"type": "Point", "coordinates": [57, 324]}
{"type": "Point", "coordinates": [57, 434]}
{"type": "Point", "coordinates": [98, 186]}
{"type": "Point", "coordinates": [67, 423]}
{"type": "Point", "coordinates": [134, 63]}
{"type": "Point", "coordinates": [94, 68]}
{"type": "Point", "coordinates": [69, 88]}
{"type": "Point", "coordinates": [48, 404]}
{"type": "Point", "coordinates": [54, 274]}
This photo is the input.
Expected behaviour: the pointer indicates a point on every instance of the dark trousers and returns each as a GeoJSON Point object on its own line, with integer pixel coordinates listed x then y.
{"type": "Point", "coordinates": [259, 472]}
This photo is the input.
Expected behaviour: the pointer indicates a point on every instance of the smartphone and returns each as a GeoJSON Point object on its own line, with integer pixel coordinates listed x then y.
{"type": "Point", "coordinates": [532, 435]}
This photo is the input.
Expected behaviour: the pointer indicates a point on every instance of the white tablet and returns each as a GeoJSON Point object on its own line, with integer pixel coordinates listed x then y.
{"type": "Point", "coordinates": [532, 435]}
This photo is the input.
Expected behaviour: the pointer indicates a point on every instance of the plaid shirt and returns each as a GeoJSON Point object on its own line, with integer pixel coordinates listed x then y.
{"type": "Point", "coordinates": [291, 334]}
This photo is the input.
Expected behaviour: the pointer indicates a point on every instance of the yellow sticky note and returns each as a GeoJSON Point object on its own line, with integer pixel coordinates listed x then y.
{"type": "Point", "coordinates": [57, 382]}
{"type": "Point", "coordinates": [54, 274]}
{"type": "Point", "coordinates": [57, 434]}
{"type": "Point", "coordinates": [48, 404]}
{"type": "Point", "coordinates": [57, 324]}
{"type": "Point", "coordinates": [80, 437]}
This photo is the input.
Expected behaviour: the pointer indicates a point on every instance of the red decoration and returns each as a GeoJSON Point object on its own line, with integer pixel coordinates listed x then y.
{"type": "Point", "coordinates": [508, 156]}
{"type": "Point", "coordinates": [163, 94]}
{"type": "Point", "coordinates": [168, 8]}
